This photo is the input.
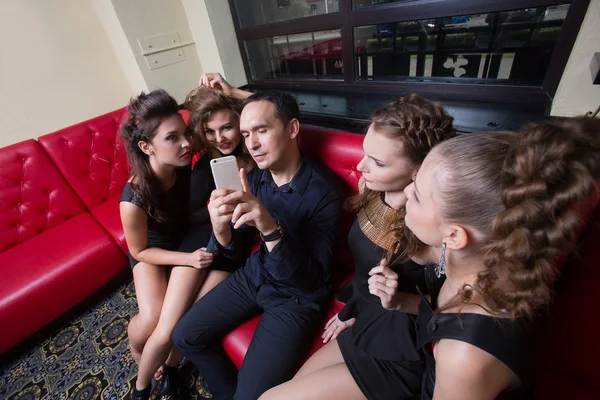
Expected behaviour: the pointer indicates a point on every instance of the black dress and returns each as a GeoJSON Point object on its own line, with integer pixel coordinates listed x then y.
{"type": "Point", "coordinates": [200, 229]}
{"type": "Point", "coordinates": [167, 234]}
{"type": "Point", "coordinates": [380, 349]}
{"type": "Point", "coordinates": [509, 340]}
{"type": "Point", "coordinates": [201, 186]}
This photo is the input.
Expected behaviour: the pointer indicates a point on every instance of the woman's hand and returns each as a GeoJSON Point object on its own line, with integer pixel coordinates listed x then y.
{"type": "Point", "coordinates": [334, 327]}
{"type": "Point", "coordinates": [384, 284]}
{"type": "Point", "coordinates": [216, 82]}
{"type": "Point", "coordinates": [200, 259]}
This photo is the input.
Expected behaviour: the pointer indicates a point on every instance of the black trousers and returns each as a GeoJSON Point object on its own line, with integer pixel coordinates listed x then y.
{"type": "Point", "coordinates": [279, 345]}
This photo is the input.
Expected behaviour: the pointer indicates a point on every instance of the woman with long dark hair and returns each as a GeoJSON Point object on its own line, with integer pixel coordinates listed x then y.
{"type": "Point", "coordinates": [154, 212]}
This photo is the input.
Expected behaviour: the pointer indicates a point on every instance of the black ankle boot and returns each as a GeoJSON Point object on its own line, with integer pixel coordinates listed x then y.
{"type": "Point", "coordinates": [169, 387]}
{"type": "Point", "coordinates": [143, 394]}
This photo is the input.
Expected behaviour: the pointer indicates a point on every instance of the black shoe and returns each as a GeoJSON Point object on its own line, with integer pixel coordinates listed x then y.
{"type": "Point", "coordinates": [143, 394]}
{"type": "Point", "coordinates": [169, 387]}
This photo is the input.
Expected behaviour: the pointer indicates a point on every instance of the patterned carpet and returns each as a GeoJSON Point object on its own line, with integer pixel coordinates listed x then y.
{"type": "Point", "coordinates": [87, 359]}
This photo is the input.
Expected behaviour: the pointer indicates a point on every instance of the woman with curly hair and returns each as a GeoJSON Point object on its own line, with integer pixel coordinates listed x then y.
{"type": "Point", "coordinates": [363, 356]}
{"type": "Point", "coordinates": [214, 122]}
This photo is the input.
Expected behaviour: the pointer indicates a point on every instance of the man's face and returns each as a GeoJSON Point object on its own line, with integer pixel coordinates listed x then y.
{"type": "Point", "coordinates": [265, 136]}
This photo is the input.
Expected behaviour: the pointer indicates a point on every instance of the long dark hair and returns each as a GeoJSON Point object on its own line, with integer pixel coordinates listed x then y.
{"type": "Point", "coordinates": [519, 190]}
{"type": "Point", "coordinates": [419, 124]}
{"type": "Point", "coordinates": [145, 113]}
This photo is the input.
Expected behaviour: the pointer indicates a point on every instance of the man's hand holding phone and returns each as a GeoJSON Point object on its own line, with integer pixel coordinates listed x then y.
{"type": "Point", "coordinates": [220, 215]}
{"type": "Point", "coordinates": [247, 208]}
{"type": "Point", "coordinates": [239, 207]}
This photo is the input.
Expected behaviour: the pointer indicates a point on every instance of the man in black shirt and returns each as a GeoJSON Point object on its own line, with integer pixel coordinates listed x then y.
{"type": "Point", "coordinates": [295, 206]}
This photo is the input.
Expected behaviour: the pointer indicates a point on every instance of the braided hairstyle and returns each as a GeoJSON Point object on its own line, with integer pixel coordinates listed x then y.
{"type": "Point", "coordinates": [418, 124]}
{"type": "Point", "coordinates": [145, 114]}
{"type": "Point", "coordinates": [519, 191]}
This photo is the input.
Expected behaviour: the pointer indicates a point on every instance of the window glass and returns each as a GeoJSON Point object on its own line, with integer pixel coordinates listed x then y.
{"type": "Point", "coordinates": [261, 12]}
{"type": "Point", "coordinates": [310, 55]}
{"type": "Point", "coordinates": [512, 47]}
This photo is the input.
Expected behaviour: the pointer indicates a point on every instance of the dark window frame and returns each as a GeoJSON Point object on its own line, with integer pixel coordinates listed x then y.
{"type": "Point", "coordinates": [348, 18]}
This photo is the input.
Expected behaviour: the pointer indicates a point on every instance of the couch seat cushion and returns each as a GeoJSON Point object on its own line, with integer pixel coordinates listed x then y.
{"type": "Point", "coordinates": [50, 273]}
{"type": "Point", "coordinates": [109, 216]}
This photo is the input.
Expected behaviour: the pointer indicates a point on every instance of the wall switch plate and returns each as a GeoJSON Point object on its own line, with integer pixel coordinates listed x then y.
{"type": "Point", "coordinates": [159, 42]}
{"type": "Point", "coordinates": [164, 58]}
{"type": "Point", "coordinates": [595, 68]}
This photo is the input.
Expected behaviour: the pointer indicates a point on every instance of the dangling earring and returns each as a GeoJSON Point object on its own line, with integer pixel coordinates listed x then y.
{"type": "Point", "coordinates": [440, 268]}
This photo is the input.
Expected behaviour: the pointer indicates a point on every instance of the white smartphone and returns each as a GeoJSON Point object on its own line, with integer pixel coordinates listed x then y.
{"type": "Point", "coordinates": [226, 173]}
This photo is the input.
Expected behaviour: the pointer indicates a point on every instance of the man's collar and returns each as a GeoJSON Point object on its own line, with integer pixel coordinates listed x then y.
{"type": "Point", "coordinates": [300, 180]}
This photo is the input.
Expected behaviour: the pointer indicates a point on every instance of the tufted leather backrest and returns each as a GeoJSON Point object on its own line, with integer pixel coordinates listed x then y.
{"type": "Point", "coordinates": [34, 196]}
{"type": "Point", "coordinates": [340, 152]}
{"type": "Point", "coordinates": [185, 114]}
{"type": "Point", "coordinates": [91, 156]}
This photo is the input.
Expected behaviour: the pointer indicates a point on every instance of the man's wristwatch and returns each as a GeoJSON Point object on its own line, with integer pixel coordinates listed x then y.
{"type": "Point", "coordinates": [275, 235]}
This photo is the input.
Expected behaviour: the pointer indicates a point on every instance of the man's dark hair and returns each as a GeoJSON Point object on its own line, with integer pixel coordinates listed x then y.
{"type": "Point", "coordinates": [285, 104]}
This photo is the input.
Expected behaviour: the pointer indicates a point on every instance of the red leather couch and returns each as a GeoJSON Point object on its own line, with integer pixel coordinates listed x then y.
{"type": "Point", "coordinates": [53, 252]}
{"type": "Point", "coordinates": [61, 239]}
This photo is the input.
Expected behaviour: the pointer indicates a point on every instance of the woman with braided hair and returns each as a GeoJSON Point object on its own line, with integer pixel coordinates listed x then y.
{"type": "Point", "coordinates": [498, 208]}
{"type": "Point", "coordinates": [372, 340]}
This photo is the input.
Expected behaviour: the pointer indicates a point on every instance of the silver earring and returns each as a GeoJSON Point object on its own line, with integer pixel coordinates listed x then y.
{"type": "Point", "coordinates": [440, 268]}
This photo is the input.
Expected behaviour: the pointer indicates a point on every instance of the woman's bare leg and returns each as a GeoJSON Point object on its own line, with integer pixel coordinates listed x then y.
{"type": "Point", "coordinates": [150, 287]}
{"type": "Point", "coordinates": [326, 356]}
{"type": "Point", "coordinates": [183, 285]}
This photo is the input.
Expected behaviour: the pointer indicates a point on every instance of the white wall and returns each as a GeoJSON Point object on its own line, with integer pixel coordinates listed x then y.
{"type": "Point", "coordinates": [140, 19]}
{"type": "Point", "coordinates": [57, 68]}
{"type": "Point", "coordinates": [202, 32]}
{"type": "Point", "coordinates": [212, 27]}
{"type": "Point", "coordinates": [576, 94]}
{"type": "Point", "coordinates": [229, 50]}
{"type": "Point", "coordinates": [125, 54]}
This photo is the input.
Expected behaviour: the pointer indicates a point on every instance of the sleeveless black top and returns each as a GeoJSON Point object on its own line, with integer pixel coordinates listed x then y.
{"type": "Point", "coordinates": [201, 186]}
{"type": "Point", "coordinates": [166, 234]}
{"type": "Point", "coordinates": [509, 340]}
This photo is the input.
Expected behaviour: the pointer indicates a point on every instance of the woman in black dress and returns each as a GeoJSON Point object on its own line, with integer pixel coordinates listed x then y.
{"type": "Point", "coordinates": [154, 213]}
{"type": "Point", "coordinates": [366, 355]}
{"type": "Point", "coordinates": [499, 209]}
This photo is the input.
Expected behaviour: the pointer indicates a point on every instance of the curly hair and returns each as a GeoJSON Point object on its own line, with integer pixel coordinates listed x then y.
{"type": "Point", "coordinates": [145, 113]}
{"type": "Point", "coordinates": [519, 190]}
{"type": "Point", "coordinates": [419, 125]}
{"type": "Point", "coordinates": [202, 103]}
